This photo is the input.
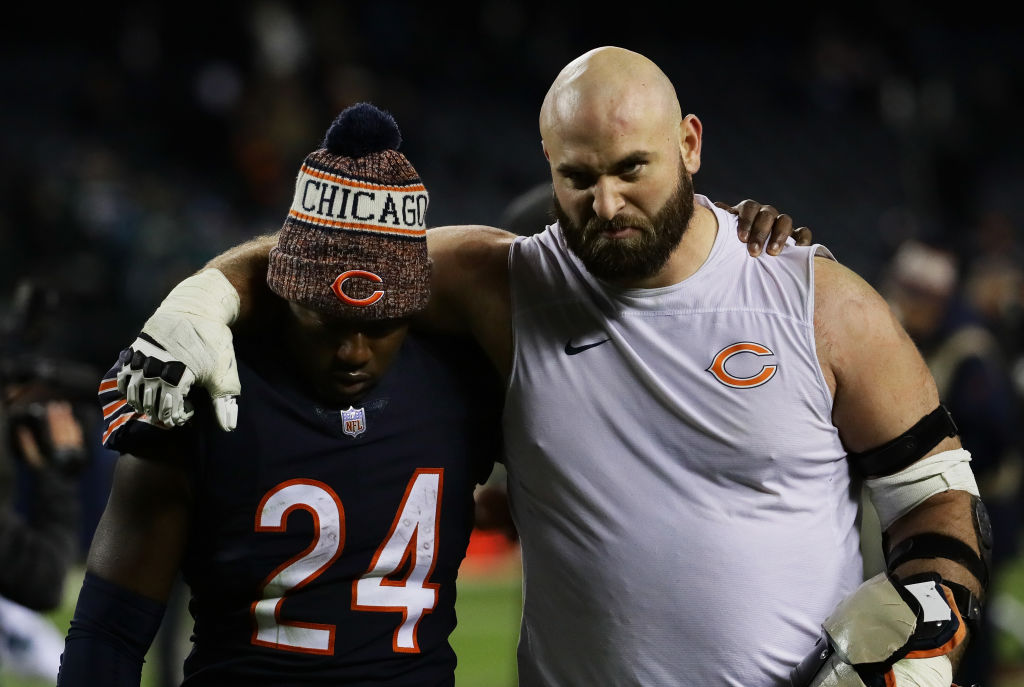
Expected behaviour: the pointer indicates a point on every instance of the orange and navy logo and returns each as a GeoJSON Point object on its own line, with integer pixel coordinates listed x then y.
{"type": "Point", "coordinates": [761, 377]}
{"type": "Point", "coordinates": [339, 288]}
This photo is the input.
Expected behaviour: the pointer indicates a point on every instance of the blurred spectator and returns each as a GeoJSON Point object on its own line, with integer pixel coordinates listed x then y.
{"type": "Point", "coordinates": [49, 475]}
{"type": "Point", "coordinates": [37, 550]}
{"type": "Point", "coordinates": [994, 279]}
{"type": "Point", "coordinates": [41, 446]}
{"type": "Point", "coordinates": [924, 289]}
{"type": "Point", "coordinates": [43, 438]}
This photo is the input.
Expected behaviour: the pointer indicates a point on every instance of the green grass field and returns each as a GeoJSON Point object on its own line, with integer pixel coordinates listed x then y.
{"type": "Point", "coordinates": [488, 614]}
{"type": "Point", "coordinates": [485, 639]}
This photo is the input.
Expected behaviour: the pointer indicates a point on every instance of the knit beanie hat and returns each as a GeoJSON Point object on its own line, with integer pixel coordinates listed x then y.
{"type": "Point", "coordinates": [354, 243]}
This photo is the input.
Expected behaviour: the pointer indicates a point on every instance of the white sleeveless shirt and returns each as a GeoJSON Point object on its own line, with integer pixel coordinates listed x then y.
{"type": "Point", "coordinates": [682, 496]}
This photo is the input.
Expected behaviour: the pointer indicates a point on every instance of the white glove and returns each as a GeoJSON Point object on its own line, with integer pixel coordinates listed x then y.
{"type": "Point", "coordinates": [923, 672]}
{"type": "Point", "coordinates": [910, 626]}
{"type": "Point", "coordinates": [192, 328]}
{"type": "Point", "coordinates": [155, 384]}
{"type": "Point", "coordinates": [909, 672]}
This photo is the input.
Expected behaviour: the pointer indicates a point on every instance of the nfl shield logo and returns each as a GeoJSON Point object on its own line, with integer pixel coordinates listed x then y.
{"type": "Point", "coordinates": [353, 421]}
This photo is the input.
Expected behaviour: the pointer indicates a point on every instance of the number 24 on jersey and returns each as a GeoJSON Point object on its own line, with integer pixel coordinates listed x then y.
{"type": "Point", "coordinates": [413, 537]}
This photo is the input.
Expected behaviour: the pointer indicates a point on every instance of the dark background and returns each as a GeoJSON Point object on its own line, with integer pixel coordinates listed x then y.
{"type": "Point", "coordinates": [137, 140]}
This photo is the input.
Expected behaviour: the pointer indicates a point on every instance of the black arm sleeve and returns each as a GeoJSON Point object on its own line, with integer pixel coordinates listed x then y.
{"type": "Point", "coordinates": [109, 636]}
{"type": "Point", "coordinates": [36, 555]}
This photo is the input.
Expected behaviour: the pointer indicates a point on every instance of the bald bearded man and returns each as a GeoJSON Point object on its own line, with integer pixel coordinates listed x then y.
{"type": "Point", "coordinates": [670, 533]}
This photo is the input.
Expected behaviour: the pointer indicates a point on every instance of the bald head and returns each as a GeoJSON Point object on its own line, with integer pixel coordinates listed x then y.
{"type": "Point", "coordinates": [621, 156]}
{"type": "Point", "coordinates": [611, 88]}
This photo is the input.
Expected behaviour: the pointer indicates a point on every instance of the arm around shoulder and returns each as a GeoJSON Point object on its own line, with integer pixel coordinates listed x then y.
{"type": "Point", "coordinates": [189, 338]}
{"type": "Point", "coordinates": [245, 267]}
{"type": "Point", "coordinates": [470, 286]}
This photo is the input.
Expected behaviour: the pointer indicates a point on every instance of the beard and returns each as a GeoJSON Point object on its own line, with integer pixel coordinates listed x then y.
{"type": "Point", "coordinates": [636, 257]}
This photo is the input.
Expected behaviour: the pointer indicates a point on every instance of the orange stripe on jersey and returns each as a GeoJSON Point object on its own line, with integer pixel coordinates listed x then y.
{"type": "Point", "coordinates": [112, 408]}
{"type": "Point", "coordinates": [115, 424]}
{"type": "Point", "coordinates": [108, 385]}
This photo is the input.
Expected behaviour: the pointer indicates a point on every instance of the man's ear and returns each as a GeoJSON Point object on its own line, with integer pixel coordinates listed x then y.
{"type": "Point", "coordinates": [690, 132]}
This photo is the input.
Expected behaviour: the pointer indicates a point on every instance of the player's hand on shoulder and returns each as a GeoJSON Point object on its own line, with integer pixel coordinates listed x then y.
{"type": "Point", "coordinates": [186, 340]}
{"type": "Point", "coordinates": [154, 383]}
{"type": "Point", "coordinates": [762, 227]}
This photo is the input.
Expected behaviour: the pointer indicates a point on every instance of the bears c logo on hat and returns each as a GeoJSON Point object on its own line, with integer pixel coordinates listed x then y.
{"type": "Point", "coordinates": [357, 221]}
{"type": "Point", "coordinates": [339, 287]}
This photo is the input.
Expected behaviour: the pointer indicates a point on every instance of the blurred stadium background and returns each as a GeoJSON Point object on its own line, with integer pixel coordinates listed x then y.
{"type": "Point", "coordinates": [139, 139]}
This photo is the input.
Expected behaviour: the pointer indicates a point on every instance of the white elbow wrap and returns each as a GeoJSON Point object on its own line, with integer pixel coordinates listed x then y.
{"type": "Point", "coordinates": [193, 326]}
{"type": "Point", "coordinates": [207, 294]}
{"type": "Point", "coordinates": [896, 495]}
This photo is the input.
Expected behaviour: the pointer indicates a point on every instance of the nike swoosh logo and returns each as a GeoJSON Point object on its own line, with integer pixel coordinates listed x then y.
{"type": "Point", "coordinates": [573, 350]}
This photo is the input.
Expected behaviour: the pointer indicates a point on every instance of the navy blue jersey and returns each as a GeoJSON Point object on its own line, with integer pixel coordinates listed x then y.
{"type": "Point", "coordinates": [325, 541]}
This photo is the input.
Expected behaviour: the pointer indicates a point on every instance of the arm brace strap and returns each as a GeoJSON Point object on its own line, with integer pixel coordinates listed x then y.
{"type": "Point", "coordinates": [109, 636]}
{"type": "Point", "coordinates": [967, 603]}
{"type": "Point", "coordinates": [904, 450]}
{"type": "Point", "coordinates": [935, 545]}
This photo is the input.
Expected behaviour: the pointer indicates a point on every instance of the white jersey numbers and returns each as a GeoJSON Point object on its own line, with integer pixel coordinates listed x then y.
{"type": "Point", "coordinates": [411, 544]}
{"type": "Point", "coordinates": [328, 540]}
{"type": "Point", "coordinates": [410, 547]}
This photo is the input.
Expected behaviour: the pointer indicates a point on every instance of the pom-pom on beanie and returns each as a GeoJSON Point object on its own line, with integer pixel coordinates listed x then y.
{"type": "Point", "coordinates": [354, 244]}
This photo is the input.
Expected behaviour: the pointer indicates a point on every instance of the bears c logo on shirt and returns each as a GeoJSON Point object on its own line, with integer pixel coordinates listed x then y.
{"type": "Point", "coordinates": [339, 285]}
{"type": "Point", "coordinates": [763, 375]}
